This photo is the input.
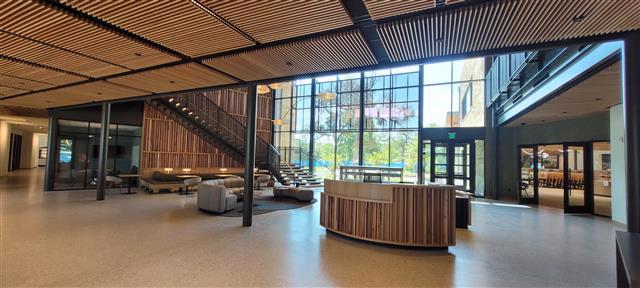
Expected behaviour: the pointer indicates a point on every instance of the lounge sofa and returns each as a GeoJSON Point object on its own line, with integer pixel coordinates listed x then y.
{"type": "Point", "coordinates": [298, 193]}
{"type": "Point", "coordinates": [170, 182]}
{"type": "Point", "coordinates": [220, 195]}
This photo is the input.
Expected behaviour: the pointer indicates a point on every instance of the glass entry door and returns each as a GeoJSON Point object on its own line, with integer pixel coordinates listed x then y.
{"type": "Point", "coordinates": [576, 199]}
{"type": "Point", "coordinates": [450, 162]}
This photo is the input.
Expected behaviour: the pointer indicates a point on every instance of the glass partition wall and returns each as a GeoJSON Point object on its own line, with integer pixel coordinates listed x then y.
{"type": "Point", "coordinates": [78, 151]}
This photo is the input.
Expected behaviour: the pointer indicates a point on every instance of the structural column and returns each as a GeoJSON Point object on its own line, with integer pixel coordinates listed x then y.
{"type": "Point", "coordinates": [104, 148]}
{"type": "Point", "coordinates": [52, 148]}
{"type": "Point", "coordinates": [631, 108]}
{"type": "Point", "coordinates": [249, 155]}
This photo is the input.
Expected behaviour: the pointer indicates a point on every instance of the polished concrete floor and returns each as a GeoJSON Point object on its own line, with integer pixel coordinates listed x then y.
{"type": "Point", "coordinates": [68, 239]}
{"type": "Point", "coordinates": [554, 197]}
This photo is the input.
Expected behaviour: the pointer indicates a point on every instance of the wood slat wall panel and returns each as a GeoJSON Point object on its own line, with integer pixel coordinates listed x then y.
{"type": "Point", "coordinates": [168, 144]}
{"type": "Point", "coordinates": [320, 54]}
{"type": "Point", "coordinates": [179, 25]}
{"type": "Point", "coordinates": [27, 50]}
{"type": "Point", "coordinates": [38, 21]}
{"type": "Point", "coordinates": [21, 70]}
{"type": "Point", "coordinates": [185, 76]}
{"type": "Point", "coordinates": [417, 216]}
{"type": "Point", "coordinates": [504, 23]}
{"type": "Point", "coordinates": [268, 21]}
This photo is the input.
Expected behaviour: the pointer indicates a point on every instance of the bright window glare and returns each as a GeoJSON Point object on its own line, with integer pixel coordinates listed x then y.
{"type": "Point", "coordinates": [511, 205]}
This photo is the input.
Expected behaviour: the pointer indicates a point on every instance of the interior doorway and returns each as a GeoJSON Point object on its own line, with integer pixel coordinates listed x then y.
{"type": "Point", "coordinates": [560, 176]}
{"type": "Point", "coordinates": [15, 150]}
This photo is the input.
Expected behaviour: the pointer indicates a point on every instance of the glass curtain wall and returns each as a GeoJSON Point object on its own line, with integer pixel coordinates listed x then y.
{"type": "Point", "coordinates": [77, 155]}
{"type": "Point", "coordinates": [337, 123]}
{"type": "Point", "coordinates": [292, 112]}
{"type": "Point", "coordinates": [390, 137]}
{"type": "Point", "coordinates": [454, 94]}
{"type": "Point", "coordinates": [388, 100]}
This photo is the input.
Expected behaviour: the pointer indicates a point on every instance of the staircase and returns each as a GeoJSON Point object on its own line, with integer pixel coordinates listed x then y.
{"type": "Point", "coordinates": [294, 167]}
{"type": "Point", "coordinates": [203, 117]}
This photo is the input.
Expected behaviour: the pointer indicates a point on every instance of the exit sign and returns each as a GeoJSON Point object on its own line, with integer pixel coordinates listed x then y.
{"type": "Point", "coordinates": [452, 135]}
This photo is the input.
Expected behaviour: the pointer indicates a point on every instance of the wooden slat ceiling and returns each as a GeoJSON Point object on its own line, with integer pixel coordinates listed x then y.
{"type": "Point", "coordinates": [40, 22]}
{"type": "Point", "coordinates": [175, 78]}
{"type": "Point", "coordinates": [72, 95]}
{"type": "Point", "coordinates": [23, 84]}
{"type": "Point", "coordinates": [504, 23]}
{"type": "Point", "coordinates": [26, 71]}
{"type": "Point", "coordinates": [27, 50]}
{"type": "Point", "coordinates": [324, 53]}
{"type": "Point", "coordinates": [592, 96]}
{"type": "Point", "coordinates": [8, 91]}
{"type": "Point", "coordinates": [179, 25]}
{"type": "Point", "coordinates": [146, 44]}
{"type": "Point", "coordinates": [381, 9]}
{"type": "Point", "coordinates": [268, 21]}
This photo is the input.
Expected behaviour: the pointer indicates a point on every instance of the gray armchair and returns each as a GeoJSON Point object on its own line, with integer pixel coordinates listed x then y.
{"type": "Point", "coordinates": [214, 196]}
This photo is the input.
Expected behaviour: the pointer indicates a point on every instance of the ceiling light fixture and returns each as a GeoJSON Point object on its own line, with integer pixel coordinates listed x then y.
{"type": "Point", "coordinates": [171, 100]}
{"type": "Point", "coordinates": [184, 109]}
{"type": "Point", "coordinates": [178, 104]}
{"type": "Point", "coordinates": [190, 113]}
{"type": "Point", "coordinates": [263, 89]}
{"type": "Point", "coordinates": [277, 122]}
{"type": "Point", "coordinates": [578, 18]}
{"type": "Point", "coordinates": [275, 86]}
{"type": "Point", "coordinates": [327, 96]}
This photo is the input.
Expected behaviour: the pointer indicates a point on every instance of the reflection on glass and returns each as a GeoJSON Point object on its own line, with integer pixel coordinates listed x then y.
{"type": "Point", "coordinates": [551, 175]}
{"type": "Point", "coordinates": [602, 178]}
{"type": "Point", "coordinates": [526, 173]}
{"type": "Point", "coordinates": [575, 159]}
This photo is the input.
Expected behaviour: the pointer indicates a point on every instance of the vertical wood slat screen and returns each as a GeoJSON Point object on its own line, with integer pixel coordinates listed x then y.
{"type": "Point", "coordinates": [420, 216]}
{"type": "Point", "coordinates": [166, 143]}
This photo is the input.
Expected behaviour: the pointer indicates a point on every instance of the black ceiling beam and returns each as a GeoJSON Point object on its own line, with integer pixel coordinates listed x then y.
{"type": "Point", "coordinates": [362, 20]}
{"type": "Point", "coordinates": [55, 4]}
{"type": "Point", "coordinates": [224, 21]}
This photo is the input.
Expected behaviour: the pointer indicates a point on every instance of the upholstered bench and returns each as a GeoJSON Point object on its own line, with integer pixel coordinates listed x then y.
{"type": "Point", "coordinates": [300, 194]}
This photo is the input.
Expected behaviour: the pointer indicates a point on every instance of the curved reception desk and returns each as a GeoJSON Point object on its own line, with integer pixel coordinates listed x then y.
{"type": "Point", "coordinates": [399, 214]}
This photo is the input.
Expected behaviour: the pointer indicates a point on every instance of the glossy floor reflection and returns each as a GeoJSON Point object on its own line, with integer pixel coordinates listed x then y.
{"type": "Point", "coordinates": [68, 239]}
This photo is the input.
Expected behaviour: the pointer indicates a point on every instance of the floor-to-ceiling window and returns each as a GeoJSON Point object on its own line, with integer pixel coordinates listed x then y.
{"type": "Point", "coordinates": [292, 120]}
{"type": "Point", "coordinates": [337, 123]}
{"type": "Point", "coordinates": [390, 137]}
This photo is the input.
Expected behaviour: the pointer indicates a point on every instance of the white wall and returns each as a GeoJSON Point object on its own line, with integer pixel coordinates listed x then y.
{"type": "Point", "coordinates": [4, 147]}
{"type": "Point", "coordinates": [618, 169]}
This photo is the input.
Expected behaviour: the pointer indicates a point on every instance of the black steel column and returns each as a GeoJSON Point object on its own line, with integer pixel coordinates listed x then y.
{"type": "Point", "coordinates": [104, 148]}
{"type": "Point", "coordinates": [420, 125]}
{"type": "Point", "coordinates": [361, 122]}
{"type": "Point", "coordinates": [312, 125]}
{"type": "Point", "coordinates": [491, 155]}
{"type": "Point", "coordinates": [249, 155]}
{"type": "Point", "coordinates": [631, 108]}
{"type": "Point", "coordinates": [52, 148]}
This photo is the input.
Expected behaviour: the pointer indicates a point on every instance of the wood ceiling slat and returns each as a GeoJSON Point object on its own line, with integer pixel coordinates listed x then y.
{"type": "Point", "coordinates": [268, 21]}
{"type": "Point", "coordinates": [381, 9]}
{"type": "Point", "coordinates": [25, 71]}
{"type": "Point", "coordinates": [186, 76]}
{"type": "Point", "coordinates": [77, 94]}
{"type": "Point", "coordinates": [324, 53]}
{"type": "Point", "coordinates": [533, 21]}
{"type": "Point", "coordinates": [31, 51]}
{"type": "Point", "coordinates": [8, 91]}
{"type": "Point", "coordinates": [37, 21]}
{"type": "Point", "coordinates": [179, 25]}
{"type": "Point", "coordinates": [24, 84]}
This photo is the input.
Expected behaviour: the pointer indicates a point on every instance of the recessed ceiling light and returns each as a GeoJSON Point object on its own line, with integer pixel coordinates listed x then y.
{"type": "Point", "coordinates": [564, 112]}
{"type": "Point", "coordinates": [171, 81]}
{"type": "Point", "coordinates": [171, 100]}
{"type": "Point", "coordinates": [598, 99]}
{"type": "Point", "coordinates": [137, 54]}
{"type": "Point", "coordinates": [578, 18]}
{"type": "Point", "coordinates": [99, 93]}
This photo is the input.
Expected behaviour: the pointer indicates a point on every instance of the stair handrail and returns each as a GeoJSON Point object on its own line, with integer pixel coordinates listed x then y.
{"type": "Point", "coordinates": [306, 154]}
